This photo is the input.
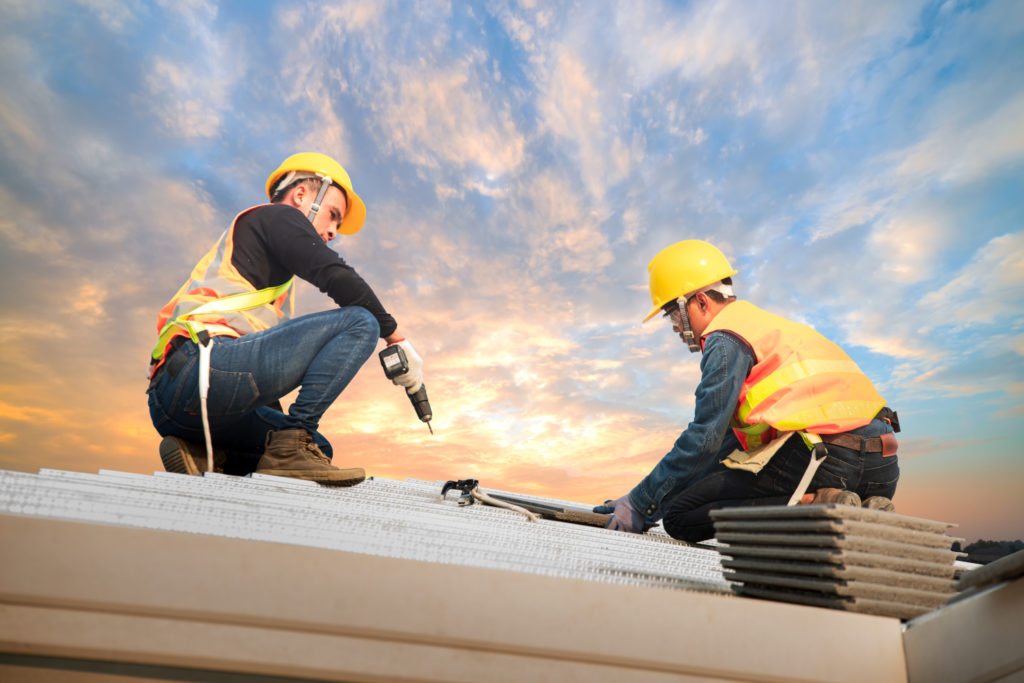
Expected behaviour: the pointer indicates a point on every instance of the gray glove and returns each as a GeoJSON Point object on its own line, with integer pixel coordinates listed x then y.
{"type": "Point", "coordinates": [625, 517]}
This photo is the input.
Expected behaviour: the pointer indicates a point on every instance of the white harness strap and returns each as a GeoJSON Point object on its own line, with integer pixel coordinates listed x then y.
{"type": "Point", "coordinates": [204, 390]}
{"type": "Point", "coordinates": [812, 467]}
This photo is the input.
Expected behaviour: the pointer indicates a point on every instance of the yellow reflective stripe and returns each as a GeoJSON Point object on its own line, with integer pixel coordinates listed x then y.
{"type": "Point", "coordinates": [752, 433]}
{"type": "Point", "coordinates": [837, 413]}
{"type": "Point", "coordinates": [790, 374]}
{"type": "Point", "coordinates": [232, 303]}
{"type": "Point", "coordinates": [751, 430]}
{"type": "Point", "coordinates": [810, 440]}
{"type": "Point", "coordinates": [239, 302]}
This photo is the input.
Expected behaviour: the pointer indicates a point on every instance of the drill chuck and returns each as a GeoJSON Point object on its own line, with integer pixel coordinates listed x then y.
{"type": "Point", "coordinates": [422, 405]}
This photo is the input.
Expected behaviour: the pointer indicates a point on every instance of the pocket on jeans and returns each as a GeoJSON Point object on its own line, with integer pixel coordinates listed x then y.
{"type": "Point", "coordinates": [231, 393]}
{"type": "Point", "coordinates": [881, 488]}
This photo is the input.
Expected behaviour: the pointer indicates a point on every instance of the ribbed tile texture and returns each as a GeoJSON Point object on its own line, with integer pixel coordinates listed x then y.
{"type": "Point", "coordinates": [839, 557]}
{"type": "Point", "coordinates": [402, 519]}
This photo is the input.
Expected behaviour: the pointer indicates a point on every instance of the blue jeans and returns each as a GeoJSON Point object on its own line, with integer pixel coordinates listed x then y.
{"type": "Point", "coordinates": [687, 509]}
{"type": "Point", "coordinates": [318, 353]}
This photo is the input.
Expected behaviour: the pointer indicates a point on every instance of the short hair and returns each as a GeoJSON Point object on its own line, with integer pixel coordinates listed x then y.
{"type": "Point", "coordinates": [313, 184]}
{"type": "Point", "coordinates": [717, 296]}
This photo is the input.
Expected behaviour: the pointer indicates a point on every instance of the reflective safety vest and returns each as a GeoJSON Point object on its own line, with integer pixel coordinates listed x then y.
{"type": "Point", "coordinates": [801, 381]}
{"type": "Point", "coordinates": [217, 299]}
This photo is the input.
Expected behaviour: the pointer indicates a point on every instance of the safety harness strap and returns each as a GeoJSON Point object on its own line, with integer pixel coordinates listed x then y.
{"type": "Point", "coordinates": [200, 333]}
{"type": "Point", "coordinates": [818, 455]}
{"type": "Point", "coordinates": [233, 303]}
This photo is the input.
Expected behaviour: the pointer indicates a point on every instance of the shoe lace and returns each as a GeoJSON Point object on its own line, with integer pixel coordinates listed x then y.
{"type": "Point", "coordinates": [317, 454]}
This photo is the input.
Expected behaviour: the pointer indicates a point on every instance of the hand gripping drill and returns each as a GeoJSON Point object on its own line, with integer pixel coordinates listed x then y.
{"type": "Point", "coordinates": [394, 362]}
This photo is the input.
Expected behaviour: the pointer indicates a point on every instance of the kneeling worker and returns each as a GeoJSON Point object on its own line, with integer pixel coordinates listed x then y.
{"type": "Point", "coordinates": [228, 349]}
{"type": "Point", "coordinates": [771, 390]}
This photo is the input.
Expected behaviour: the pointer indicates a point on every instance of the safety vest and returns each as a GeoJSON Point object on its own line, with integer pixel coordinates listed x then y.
{"type": "Point", "coordinates": [217, 299]}
{"type": "Point", "coordinates": [800, 382]}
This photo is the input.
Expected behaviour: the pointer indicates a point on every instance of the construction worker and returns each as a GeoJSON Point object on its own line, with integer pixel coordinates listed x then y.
{"type": "Point", "coordinates": [229, 349]}
{"type": "Point", "coordinates": [774, 395]}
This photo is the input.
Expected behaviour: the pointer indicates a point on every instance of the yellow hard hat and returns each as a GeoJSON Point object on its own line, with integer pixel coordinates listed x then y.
{"type": "Point", "coordinates": [682, 268]}
{"type": "Point", "coordinates": [311, 162]}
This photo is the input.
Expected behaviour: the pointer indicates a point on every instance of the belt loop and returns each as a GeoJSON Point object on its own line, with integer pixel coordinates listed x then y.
{"type": "Point", "coordinates": [863, 447]}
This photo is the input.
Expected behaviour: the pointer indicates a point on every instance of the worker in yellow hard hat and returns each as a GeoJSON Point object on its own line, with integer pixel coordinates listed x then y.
{"type": "Point", "coordinates": [782, 414]}
{"type": "Point", "coordinates": [228, 348]}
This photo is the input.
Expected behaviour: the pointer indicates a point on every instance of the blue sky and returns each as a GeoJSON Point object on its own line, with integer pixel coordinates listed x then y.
{"type": "Point", "coordinates": [859, 163]}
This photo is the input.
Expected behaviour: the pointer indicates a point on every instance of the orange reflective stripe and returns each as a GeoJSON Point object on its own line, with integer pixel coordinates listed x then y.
{"type": "Point", "coordinates": [791, 374]}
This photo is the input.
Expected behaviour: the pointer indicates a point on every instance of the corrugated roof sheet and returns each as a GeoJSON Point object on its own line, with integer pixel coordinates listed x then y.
{"type": "Point", "coordinates": [402, 519]}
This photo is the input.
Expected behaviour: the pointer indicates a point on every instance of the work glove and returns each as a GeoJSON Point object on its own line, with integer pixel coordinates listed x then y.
{"type": "Point", "coordinates": [624, 516]}
{"type": "Point", "coordinates": [412, 379]}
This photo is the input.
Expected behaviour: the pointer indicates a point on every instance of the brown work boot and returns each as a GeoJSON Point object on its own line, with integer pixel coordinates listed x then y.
{"type": "Point", "coordinates": [187, 457]}
{"type": "Point", "coordinates": [879, 503]}
{"type": "Point", "coordinates": [835, 496]}
{"type": "Point", "coordinates": [292, 453]}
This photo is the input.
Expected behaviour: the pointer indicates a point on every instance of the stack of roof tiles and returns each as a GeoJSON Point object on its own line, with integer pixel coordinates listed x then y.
{"type": "Point", "coordinates": [839, 557]}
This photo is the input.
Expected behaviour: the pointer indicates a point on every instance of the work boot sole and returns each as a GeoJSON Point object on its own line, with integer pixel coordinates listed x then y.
{"type": "Point", "coordinates": [335, 477]}
{"type": "Point", "coordinates": [176, 458]}
{"type": "Point", "coordinates": [879, 503]}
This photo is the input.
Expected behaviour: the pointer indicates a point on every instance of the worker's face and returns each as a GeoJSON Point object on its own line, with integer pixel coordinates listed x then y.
{"type": "Point", "coordinates": [696, 311]}
{"type": "Point", "coordinates": [332, 210]}
{"type": "Point", "coordinates": [700, 312]}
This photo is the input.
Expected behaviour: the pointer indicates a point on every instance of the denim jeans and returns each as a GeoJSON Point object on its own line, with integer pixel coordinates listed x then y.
{"type": "Point", "coordinates": [319, 354]}
{"type": "Point", "coordinates": [687, 509]}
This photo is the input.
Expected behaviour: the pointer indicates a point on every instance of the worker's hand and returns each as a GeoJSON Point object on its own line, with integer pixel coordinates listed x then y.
{"type": "Point", "coordinates": [624, 517]}
{"type": "Point", "coordinates": [413, 379]}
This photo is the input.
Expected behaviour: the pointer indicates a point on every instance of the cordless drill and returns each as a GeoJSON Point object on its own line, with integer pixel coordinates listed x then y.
{"type": "Point", "coordinates": [394, 362]}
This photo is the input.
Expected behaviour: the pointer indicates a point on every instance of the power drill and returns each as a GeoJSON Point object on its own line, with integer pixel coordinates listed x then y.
{"type": "Point", "coordinates": [394, 362]}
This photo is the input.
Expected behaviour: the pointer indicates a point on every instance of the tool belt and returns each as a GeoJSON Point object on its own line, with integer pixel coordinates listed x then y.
{"type": "Point", "coordinates": [885, 444]}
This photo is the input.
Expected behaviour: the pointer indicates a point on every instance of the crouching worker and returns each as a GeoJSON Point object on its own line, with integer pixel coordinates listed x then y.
{"type": "Point", "coordinates": [228, 348]}
{"type": "Point", "coordinates": [774, 395]}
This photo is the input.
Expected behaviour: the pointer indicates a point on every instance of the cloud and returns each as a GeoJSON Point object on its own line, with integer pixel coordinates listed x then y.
{"type": "Point", "coordinates": [427, 106]}
{"type": "Point", "coordinates": [185, 108]}
{"type": "Point", "coordinates": [436, 117]}
{"type": "Point", "coordinates": [116, 15]}
{"type": "Point", "coordinates": [190, 90]}
{"type": "Point", "coordinates": [989, 289]}
{"type": "Point", "coordinates": [959, 154]}
{"type": "Point", "coordinates": [18, 413]}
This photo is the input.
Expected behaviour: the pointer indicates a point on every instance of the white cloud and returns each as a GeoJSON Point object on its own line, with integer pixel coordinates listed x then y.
{"type": "Point", "coordinates": [190, 91]}
{"type": "Point", "coordinates": [559, 228]}
{"type": "Point", "coordinates": [958, 154]}
{"type": "Point", "coordinates": [426, 105]}
{"type": "Point", "coordinates": [116, 15]}
{"type": "Point", "coordinates": [184, 109]}
{"type": "Point", "coordinates": [437, 116]}
{"type": "Point", "coordinates": [989, 289]}
{"type": "Point", "coordinates": [907, 247]}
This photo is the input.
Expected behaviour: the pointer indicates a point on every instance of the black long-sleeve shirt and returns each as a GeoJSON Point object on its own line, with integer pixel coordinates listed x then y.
{"type": "Point", "coordinates": [274, 242]}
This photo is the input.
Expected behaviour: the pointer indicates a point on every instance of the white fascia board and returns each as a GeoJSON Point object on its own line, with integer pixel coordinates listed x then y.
{"type": "Point", "coordinates": [364, 608]}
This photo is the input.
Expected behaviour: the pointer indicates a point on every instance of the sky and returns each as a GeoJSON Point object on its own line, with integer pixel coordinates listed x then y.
{"type": "Point", "coordinates": [859, 163]}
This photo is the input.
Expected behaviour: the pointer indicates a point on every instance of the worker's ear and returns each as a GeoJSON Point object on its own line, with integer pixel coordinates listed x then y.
{"type": "Point", "coordinates": [296, 195]}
